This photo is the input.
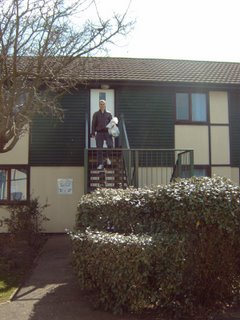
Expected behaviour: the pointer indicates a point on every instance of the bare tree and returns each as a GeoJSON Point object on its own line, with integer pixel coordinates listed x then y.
{"type": "Point", "coordinates": [39, 46]}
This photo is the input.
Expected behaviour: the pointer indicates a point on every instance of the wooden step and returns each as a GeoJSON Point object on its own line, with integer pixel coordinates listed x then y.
{"type": "Point", "coordinates": [112, 176]}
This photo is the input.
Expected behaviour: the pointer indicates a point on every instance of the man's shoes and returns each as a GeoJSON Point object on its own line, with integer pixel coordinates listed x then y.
{"type": "Point", "coordinates": [101, 166]}
{"type": "Point", "coordinates": [108, 161]}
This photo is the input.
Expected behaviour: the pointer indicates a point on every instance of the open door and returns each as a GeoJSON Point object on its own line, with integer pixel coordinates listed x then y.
{"type": "Point", "coordinates": [95, 96]}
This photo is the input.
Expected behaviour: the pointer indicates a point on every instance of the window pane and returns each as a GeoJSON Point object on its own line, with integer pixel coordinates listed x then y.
{"type": "Point", "coordinates": [102, 95]}
{"type": "Point", "coordinates": [200, 172]}
{"type": "Point", "coordinates": [3, 184]}
{"type": "Point", "coordinates": [18, 184]}
{"type": "Point", "coordinates": [182, 106]}
{"type": "Point", "coordinates": [199, 107]}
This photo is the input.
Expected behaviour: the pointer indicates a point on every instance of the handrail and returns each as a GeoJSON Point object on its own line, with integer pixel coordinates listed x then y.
{"type": "Point", "coordinates": [86, 131]}
{"type": "Point", "coordinates": [124, 143]}
{"type": "Point", "coordinates": [180, 151]}
{"type": "Point", "coordinates": [177, 168]}
{"type": "Point", "coordinates": [86, 154]}
{"type": "Point", "coordinates": [123, 133]}
{"type": "Point", "coordinates": [174, 170]}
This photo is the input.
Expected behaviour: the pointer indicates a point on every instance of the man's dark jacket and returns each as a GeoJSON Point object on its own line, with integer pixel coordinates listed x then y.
{"type": "Point", "coordinates": [100, 120]}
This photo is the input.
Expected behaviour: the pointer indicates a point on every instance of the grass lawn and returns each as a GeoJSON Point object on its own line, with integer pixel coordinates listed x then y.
{"type": "Point", "coordinates": [8, 284]}
{"type": "Point", "coordinates": [16, 259]}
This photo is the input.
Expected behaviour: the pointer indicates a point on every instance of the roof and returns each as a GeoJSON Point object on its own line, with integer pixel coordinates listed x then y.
{"type": "Point", "coordinates": [161, 70]}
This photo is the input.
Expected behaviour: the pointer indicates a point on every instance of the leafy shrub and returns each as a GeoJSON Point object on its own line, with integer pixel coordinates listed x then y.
{"type": "Point", "coordinates": [180, 205]}
{"type": "Point", "coordinates": [123, 210]}
{"type": "Point", "coordinates": [115, 267]}
{"type": "Point", "coordinates": [194, 225]}
{"type": "Point", "coordinates": [26, 221]}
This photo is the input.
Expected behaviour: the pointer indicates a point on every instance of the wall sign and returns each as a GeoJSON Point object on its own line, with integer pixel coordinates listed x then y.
{"type": "Point", "coordinates": [65, 186]}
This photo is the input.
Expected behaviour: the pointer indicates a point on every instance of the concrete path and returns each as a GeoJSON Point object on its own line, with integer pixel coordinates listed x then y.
{"type": "Point", "coordinates": [51, 292]}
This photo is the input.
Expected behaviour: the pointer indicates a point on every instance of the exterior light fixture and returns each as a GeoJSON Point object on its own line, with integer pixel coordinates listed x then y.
{"type": "Point", "coordinates": [105, 86]}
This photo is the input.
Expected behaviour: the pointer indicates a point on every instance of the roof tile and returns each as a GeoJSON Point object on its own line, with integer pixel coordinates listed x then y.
{"type": "Point", "coordinates": [162, 70]}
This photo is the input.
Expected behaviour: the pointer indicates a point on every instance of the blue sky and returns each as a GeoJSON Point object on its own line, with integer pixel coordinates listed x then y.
{"type": "Point", "coordinates": [179, 29]}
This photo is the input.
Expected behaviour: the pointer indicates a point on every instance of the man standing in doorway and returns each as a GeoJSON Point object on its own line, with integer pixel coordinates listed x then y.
{"type": "Point", "coordinates": [100, 120]}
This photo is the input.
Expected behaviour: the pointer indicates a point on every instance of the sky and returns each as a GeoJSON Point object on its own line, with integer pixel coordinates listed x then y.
{"type": "Point", "coordinates": [206, 30]}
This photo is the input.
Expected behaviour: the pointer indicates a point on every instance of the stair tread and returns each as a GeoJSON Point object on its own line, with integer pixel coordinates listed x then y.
{"type": "Point", "coordinates": [113, 176]}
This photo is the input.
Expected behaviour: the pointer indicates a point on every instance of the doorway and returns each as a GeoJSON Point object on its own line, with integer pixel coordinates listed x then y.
{"type": "Point", "coordinates": [95, 96]}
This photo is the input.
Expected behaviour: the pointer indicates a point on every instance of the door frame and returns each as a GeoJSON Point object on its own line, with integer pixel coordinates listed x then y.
{"type": "Point", "coordinates": [100, 94]}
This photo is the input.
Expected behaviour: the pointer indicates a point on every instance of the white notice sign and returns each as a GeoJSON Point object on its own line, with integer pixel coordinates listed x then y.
{"type": "Point", "coordinates": [64, 186]}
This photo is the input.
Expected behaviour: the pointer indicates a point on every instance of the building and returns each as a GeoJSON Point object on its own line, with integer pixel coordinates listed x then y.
{"type": "Point", "coordinates": [166, 104]}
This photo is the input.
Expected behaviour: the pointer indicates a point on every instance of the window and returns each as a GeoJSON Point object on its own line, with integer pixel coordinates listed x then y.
{"type": "Point", "coordinates": [191, 107]}
{"type": "Point", "coordinates": [201, 171]}
{"type": "Point", "coordinates": [198, 171]}
{"type": "Point", "coordinates": [102, 95]}
{"type": "Point", "coordinates": [13, 184]}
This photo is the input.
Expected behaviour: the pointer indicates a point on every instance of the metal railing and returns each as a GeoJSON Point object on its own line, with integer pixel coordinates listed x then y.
{"type": "Point", "coordinates": [126, 154]}
{"type": "Point", "coordinates": [184, 165]}
{"type": "Point", "coordinates": [151, 166]}
{"type": "Point", "coordinates": [86, 158]}
{"type": "Point", "coordinates": [147, 167]}
{"type": "Point", "coordinates": [123, 137]}
{"type": "Point", "coordinates": [142, 167]}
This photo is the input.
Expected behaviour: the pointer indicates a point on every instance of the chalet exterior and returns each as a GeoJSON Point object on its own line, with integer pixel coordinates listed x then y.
{"type": "Point", "coordinates": [167, 109]}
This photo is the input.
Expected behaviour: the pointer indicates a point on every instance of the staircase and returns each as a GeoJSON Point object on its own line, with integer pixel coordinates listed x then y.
{"type": "Point", "coordinates": [112, 176]}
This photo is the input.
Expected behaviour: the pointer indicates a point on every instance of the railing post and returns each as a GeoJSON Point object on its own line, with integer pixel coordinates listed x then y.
{"type": "Point", "coordinates": [136, 166]}
{"type": "Point", "coordinates": [85, 170]}
{"type": "Point", "coordinates": [191, 163]}
{"type": "Point", "coordinates": [180, 165]}
{"type": "Point", "coordinates": [129, 166]}
{"type": "Point", "coordinates": [123, 133]}
{"type": "Point", "coordinates": [86, 131]}
{"type": "Point", "coordinates": [86, 154]}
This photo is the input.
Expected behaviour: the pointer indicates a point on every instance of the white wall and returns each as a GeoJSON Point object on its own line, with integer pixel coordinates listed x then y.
{"type": "Point", "coordinates": [19, 154]}
{"type": "Point", "coordinates": [63, 207]}
{"type": "Point", "coordinates": [193, 137]}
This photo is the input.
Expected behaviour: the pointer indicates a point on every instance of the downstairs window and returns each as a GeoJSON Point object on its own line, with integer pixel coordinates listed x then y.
{"type": "Point", "coordinates": [14, 184]}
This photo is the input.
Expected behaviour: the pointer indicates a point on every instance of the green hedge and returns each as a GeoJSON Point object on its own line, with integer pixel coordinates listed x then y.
{"type": "Point", "coordinates": [180, 206]}
{"type": "Point", "coordinates": [121, 209]}
{"type": "Point", "coordinates": [115, 267]}
{"type": "Point", "coordinates": [191, 263]}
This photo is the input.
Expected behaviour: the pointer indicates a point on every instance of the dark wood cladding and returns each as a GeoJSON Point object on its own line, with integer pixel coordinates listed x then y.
{"type": "Point", "coordinates": [61, 143]}
{"type": "Point", "coordinates": [149, 116]}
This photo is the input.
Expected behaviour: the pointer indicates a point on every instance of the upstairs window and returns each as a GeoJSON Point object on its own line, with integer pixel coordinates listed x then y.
{"type": "Point", "coordinates": [191, 107]}
{"type": "Point", "coordinates": [13, 184]}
